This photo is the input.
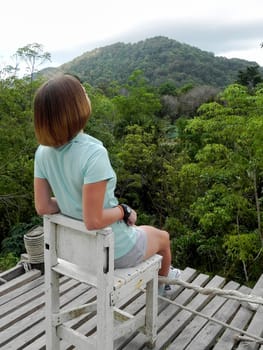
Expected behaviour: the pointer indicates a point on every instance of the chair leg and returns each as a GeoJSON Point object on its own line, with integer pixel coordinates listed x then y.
{"type": "Point", "coordinates": [52, 305]}
{"type": "Point", "coordinates": [105, 314]}
{"type": "Point", "coordinates": [151, 310]}
{"type": "Point", "coordinates": [51, 286]}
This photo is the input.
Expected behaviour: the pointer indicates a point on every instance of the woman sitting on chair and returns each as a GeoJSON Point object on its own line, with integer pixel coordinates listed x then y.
{"type": "Point", "coordinates": [75, 168]}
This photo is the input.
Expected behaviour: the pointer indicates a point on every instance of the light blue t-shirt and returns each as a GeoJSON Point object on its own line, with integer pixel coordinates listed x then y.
{"type": "Point", "coordinates": [81, 161]}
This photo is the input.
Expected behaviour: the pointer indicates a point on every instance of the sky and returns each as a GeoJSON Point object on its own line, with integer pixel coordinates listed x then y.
{"type": "Point", "coordinates": [67, 29]}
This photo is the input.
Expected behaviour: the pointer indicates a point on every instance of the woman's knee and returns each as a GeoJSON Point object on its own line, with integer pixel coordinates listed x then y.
{"type": "Point", "coordinates": [157, 240]}
{"type": "Point", "coordinates": [165, 239]}
{"type": "Point", "coordinates": [158, 237]}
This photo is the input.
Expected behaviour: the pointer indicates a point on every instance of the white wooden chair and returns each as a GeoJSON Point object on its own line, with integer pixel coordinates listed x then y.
{"type": "Point", "coordinates": [88, 256]}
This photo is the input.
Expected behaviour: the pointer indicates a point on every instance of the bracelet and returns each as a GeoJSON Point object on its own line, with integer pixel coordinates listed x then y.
{"type": "Point", "coordinates": [127, 212]}
{"type": "Point", "coordinates": [122, 211]}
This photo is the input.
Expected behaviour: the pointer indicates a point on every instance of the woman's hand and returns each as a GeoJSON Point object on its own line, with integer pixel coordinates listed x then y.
{"type": "Point", "coordinates": [132, 218]}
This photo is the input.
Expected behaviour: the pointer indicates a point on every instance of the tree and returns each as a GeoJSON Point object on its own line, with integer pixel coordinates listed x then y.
{"type": "Point", "coordinates": [102, 121]}
{"type": "Point", "coordinates": [250, 77]}
{"type": "Point", "coordinates": [136, 158]}
{"type": "Point", "coordinates": [137, 104]}
{"type": "Point", "coordinates": [17, 147]}
{"type": "Point", "coordinates": [34, 56]}
{"type": "Point", "coordinates": [223, 178]}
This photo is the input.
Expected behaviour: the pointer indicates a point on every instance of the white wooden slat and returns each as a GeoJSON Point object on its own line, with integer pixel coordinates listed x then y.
{"type": "Point", "coordinates": [65, 221]}
{"type": "Point", "coordinates": [123, 276]}
{"type": "Point", "coordinates": [170, 329]}
{"type": "Point", "coordinates": [27, 330]}
{"type": "Point", "coordinates": [73, 337]}
{"type": "Point", "coordinates": [28, 318]}
{"type": "Point", "coordinates": [78, 295]}
{"type": "Point", "coordinates": [13, 299]}
{"type": "Point", "coordinates": [70, 314]}
{"type": "Point", "coordinates": [52, 304]}
{"type": "Point", "coordinates": [240, 321]}
{"type": "Point", "coordinates": [12, 273]}
{"type": "Point", "coordinates": [165, 310]}
{"type": "Point", "coordinates": [256, 324]}
{"type": "Point", "coordinates": [198, 322]}
{"type": "Point", "coordinates": [73, 271]}
{"type": "Point", "coordinates": [184, 318]}
{"type": "Point", "coordinates": [19, 281]}
{"type": "Point", "coordinates": [73, 246]}
{"type": "Point", "coordinates": [31, 334]}
{"type": "Point", "coordinates": [209, 334]}
{"type": "Point", "coordinates": [136, 283]}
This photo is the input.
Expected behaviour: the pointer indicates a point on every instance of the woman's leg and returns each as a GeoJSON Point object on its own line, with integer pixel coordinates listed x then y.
{"type": "Point", "coordinates": [158, 242]}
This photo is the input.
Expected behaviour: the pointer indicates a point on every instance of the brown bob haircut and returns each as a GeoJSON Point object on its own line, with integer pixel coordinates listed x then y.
{"type": "Point", "coordinates": [61, 110]}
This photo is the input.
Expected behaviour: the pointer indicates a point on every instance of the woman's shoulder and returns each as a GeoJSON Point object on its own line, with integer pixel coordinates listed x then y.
{"type": "Point", "coordinates": [88, 146]}
{"type": "Point", "coordinates": [41, 149]}
{"type": "Point", "coordinates": [87, 139]}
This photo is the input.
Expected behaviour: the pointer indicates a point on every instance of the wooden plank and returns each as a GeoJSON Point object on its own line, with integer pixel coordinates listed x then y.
{"type": "Point", "coordinates": [2, 281]}
{"type": "Point", "coordinates": [14, 305]}
{"type": "Point", "coordinates": [19, 313]}
{"type": "Point", "coordinates": [240, 320]}
{"type": "Point", "coordinates": [187, 275]}
{"type": "Point", "coordinates": [167, 313]}
{"type": "Point", "coordinates": [19, 281]}
{"type": "Point", "coordinates": [12, 273]}
{"type": "Point", "coordinates": [135, 306]}
{"type": "Point", "coordinates": [169, 329]}
{"type": "Point", "coordinates": [209, 334]}
{"type": "Point", "coordinates": [30, 333]}
{"type": "Point", "coordinates": [26, 304]}
{"type": "Point", "coordinates": [15, 294]}
{"type": "Point", "coordinates": [256, 325]}
{"type": "Point", "coordinates": [33, 313]}
{"type": "Point", "coordinates": [90, 326]}
{"type": "Point", "coordinates": [80, 295]}
{"type": "Point", "coordinates": [185, 320]}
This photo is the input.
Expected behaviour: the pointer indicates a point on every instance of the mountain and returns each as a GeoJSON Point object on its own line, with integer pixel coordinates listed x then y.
{"type": "Point", "coordinates": [161, 59]}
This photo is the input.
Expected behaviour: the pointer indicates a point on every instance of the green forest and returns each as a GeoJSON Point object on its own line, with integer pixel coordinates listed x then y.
{"type": "Point", "coordinates": [188, 159]}
{"type": "Point", "coordinates": [161, 59]}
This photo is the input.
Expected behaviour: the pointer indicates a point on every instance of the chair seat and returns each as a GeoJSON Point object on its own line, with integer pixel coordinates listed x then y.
{"type": "Point", "coordinates": [123, 276]}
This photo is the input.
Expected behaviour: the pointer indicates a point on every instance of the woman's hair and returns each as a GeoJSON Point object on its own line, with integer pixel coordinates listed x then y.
{"type": "Point", "coordinates": [61, 110]}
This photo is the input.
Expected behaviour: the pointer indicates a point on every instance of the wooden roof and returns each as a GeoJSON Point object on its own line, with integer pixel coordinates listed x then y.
{"type": "Point", "coordinates": [22, 314]}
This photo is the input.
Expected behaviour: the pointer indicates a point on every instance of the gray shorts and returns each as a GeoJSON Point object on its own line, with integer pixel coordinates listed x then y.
{"type": "Point", "coordinates": [134, 256]}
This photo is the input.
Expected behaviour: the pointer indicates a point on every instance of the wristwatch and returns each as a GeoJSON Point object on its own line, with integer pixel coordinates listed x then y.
{"type": "Point", "coordinates": [127, 212]}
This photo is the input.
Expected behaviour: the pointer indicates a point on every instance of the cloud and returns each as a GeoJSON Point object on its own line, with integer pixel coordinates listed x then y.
{"type": "Point", "coordinates": [206, 35]}
{"type": "Point", "coordinates": [67, 30]}
{"type": "Point", "coordinates": [229, 39]}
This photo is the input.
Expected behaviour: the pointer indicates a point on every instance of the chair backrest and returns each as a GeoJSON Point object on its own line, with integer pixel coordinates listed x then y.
{"type": "Point", "coordinates": [75, 244]}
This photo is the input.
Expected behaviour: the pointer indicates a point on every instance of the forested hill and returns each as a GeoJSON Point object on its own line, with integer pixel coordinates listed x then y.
{"type": "Point", "coordinates": [161, 60]}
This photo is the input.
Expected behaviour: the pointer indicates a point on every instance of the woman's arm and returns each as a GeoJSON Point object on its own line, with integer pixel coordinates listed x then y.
{"type": "Point", "coordinates": [94, 216]}
{"type": "Point", "coordinates": [44, 203]}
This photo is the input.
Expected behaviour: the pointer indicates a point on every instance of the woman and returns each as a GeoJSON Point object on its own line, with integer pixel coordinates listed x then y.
{"type": "Point", "coordinates": [75, 168]}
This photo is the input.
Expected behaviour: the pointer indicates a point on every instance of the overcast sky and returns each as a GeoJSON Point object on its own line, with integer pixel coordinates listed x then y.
{"type": "Point", "coordinates": [66, 29]}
